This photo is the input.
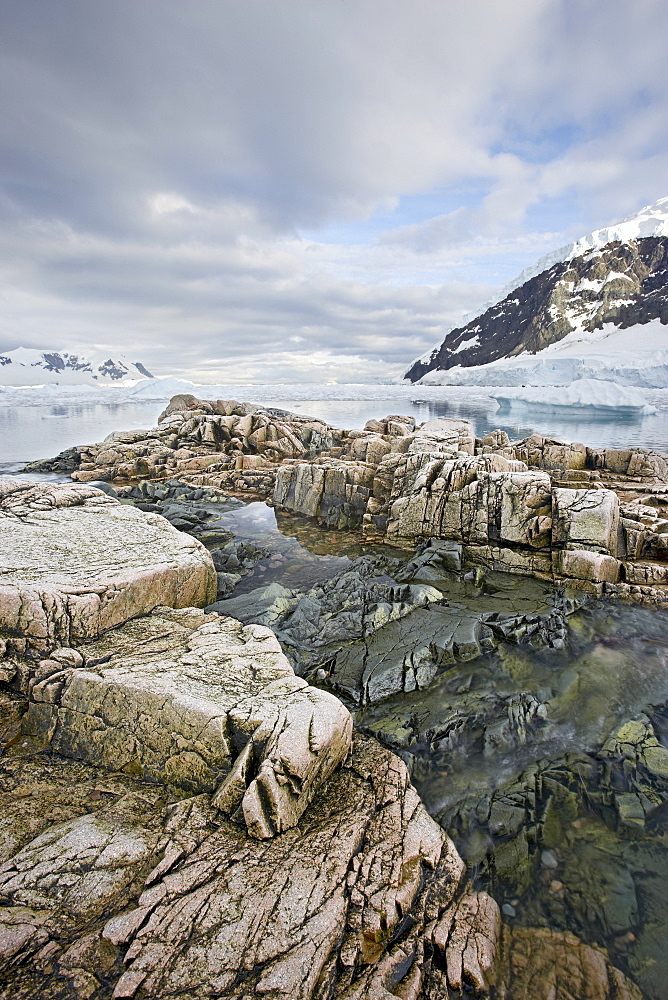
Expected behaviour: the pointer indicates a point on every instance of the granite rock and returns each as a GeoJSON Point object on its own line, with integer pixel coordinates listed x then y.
{"type": "Point", "coordinates": [199, 703]}
{"type": "Point", "coordinates": [76, 562]}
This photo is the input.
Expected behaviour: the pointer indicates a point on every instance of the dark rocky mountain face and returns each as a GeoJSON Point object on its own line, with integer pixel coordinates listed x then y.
{"type": "Point", "coordinates": [143, 370]}
{"type": "Point", "coordinates": [624, 283]}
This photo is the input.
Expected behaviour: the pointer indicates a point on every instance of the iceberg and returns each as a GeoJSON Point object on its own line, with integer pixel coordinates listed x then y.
{"type": "Point", "coordinates": [585, 392]}
{"type": "Point", "coordinates": [163, 388]}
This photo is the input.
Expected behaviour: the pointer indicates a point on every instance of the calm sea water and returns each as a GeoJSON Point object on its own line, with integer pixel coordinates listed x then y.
{"type": "Point", "coordinates": [31, 432]}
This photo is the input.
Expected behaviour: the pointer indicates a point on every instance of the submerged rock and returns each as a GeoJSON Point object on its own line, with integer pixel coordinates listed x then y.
{"type": "Point", "coordinates": [385, 625]}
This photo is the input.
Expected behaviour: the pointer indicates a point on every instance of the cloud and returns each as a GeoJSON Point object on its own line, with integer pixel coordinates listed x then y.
{"type": "Point", "coordinates": [162, 161]}
{"type": "Point", "coordinates": [434, 234]}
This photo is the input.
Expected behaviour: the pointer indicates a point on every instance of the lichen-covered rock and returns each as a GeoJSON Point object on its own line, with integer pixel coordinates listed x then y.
{"type": "Point", "coordinates": [200, 703]}
{"type": "Point", "coordinates": [585, 519]}
{"type": "Point", "coordinates": [75, 562]}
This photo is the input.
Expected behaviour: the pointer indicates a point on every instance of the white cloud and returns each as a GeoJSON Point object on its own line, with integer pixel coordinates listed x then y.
{"type": "Point", "coordinates": [166, 203]}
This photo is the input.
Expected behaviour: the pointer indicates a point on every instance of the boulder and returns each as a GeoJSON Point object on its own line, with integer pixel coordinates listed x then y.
{"type": "Point", "coordinates": [76, 562]}
{"type": "Point", "coordinates": [200, 703]}
{"type": "Point", "coordinates": [583, 564]}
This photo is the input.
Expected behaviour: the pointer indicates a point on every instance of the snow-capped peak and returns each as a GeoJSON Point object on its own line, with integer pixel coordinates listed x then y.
{"type": "Point", "coordinates": [28, 366]}
{"type": "Point", "coordinates": [652, 220]}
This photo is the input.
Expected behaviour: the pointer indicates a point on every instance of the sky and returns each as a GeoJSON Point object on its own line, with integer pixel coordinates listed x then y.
{"type": "Point", "coordinates": [307, 190]}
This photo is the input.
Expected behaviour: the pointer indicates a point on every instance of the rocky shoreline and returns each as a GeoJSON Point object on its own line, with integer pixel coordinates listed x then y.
{"type": "Point", "coordinates": [591, 518]}
{"type": "Point", "coordinates": [187, 810]}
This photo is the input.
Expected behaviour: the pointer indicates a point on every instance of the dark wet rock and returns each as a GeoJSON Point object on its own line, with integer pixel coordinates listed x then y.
{"type": "Point", "coordinates": [105, 487]}
{"type": "Point", "coordinates": [367, 635]}
{"type": "Point", "coordinates": [434, 559]}
{"type": "Point", "coordinates": [593, 818]}
{"type": "Point", "coordinates": [233, 561]}
{"type": "Point", "coordinates": [186, 507]}
{"type": "Point", "coordinates": [350, 606]}
{"type": "Point", "coordinates": [66, 462]}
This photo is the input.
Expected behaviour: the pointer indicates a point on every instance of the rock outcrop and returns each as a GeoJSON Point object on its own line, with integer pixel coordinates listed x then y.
{"type": "Point", "coordinates": [75, 562]}
{"type": "Point", "coordinates": [199, 703]}
{"type": "Point", "coordinates": [503, 505]}
{"type": "Point", "coordinates": [306, 867]}
{"type": "Point", "coordinates": [236, 439]}
{"type": "Point", "coordinates": [591, 518]}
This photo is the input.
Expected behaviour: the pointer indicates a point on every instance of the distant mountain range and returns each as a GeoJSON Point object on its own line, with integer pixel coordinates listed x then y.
{"type": "Point", "coordinates": [595, 308]}
{"type": "Point", "coordinates": [26, 366]}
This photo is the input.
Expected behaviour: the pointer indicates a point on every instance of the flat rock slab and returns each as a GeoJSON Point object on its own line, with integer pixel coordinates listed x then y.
{"type": "Point", "coordinates": [197, 702]}
{"type": "Point", "coordinates": [75, 562]}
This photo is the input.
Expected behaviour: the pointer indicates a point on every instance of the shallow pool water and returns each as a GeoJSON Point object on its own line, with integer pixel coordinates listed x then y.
{"type": "Point", "coordinates": [301, 553]}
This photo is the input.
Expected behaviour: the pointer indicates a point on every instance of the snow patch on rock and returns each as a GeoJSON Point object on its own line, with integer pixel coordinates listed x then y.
{"type": "Point", "coordinates": [27, 366]}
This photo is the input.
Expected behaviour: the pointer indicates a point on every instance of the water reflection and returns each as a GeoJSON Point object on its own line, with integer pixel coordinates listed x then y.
{"type": "Point", "coordinates": [301, 554]}
{"type": "Point", "coordinates": [597, 428]}
{"type": "Point", "coordinates": [32, 432]}
{"type": "Point", "coordinates": [28, 433]}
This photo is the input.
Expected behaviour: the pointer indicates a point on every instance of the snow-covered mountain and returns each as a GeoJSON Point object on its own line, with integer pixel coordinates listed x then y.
{"type": "Point", "coordinates": [594, 308]}
{"type": "Point", "coordinates": [26, 366]}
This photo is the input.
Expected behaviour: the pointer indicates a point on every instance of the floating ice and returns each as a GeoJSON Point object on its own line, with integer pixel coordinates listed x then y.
{"type": "Point", "coordinates": [588, 392]}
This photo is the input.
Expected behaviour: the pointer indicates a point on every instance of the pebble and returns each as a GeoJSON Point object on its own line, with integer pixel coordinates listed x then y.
{"type": "Point", "coordinates": [548, 860]}
{"type": "Point", "coordinates": [556, 885]}
{"type": "Point", "coordinates": [508, 910]}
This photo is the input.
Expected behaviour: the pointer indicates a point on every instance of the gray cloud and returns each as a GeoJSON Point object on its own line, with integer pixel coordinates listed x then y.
{"type": "Point", "coordinates": [159, 160]}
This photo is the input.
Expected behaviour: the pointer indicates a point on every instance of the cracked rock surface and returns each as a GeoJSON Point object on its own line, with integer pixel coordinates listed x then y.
{"type": "Point", "coordinates": [75, 562]}
{"type": "Point", "coordinates": [111, 888]}
{"type": "Point", "coordinates": [199, 703]}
